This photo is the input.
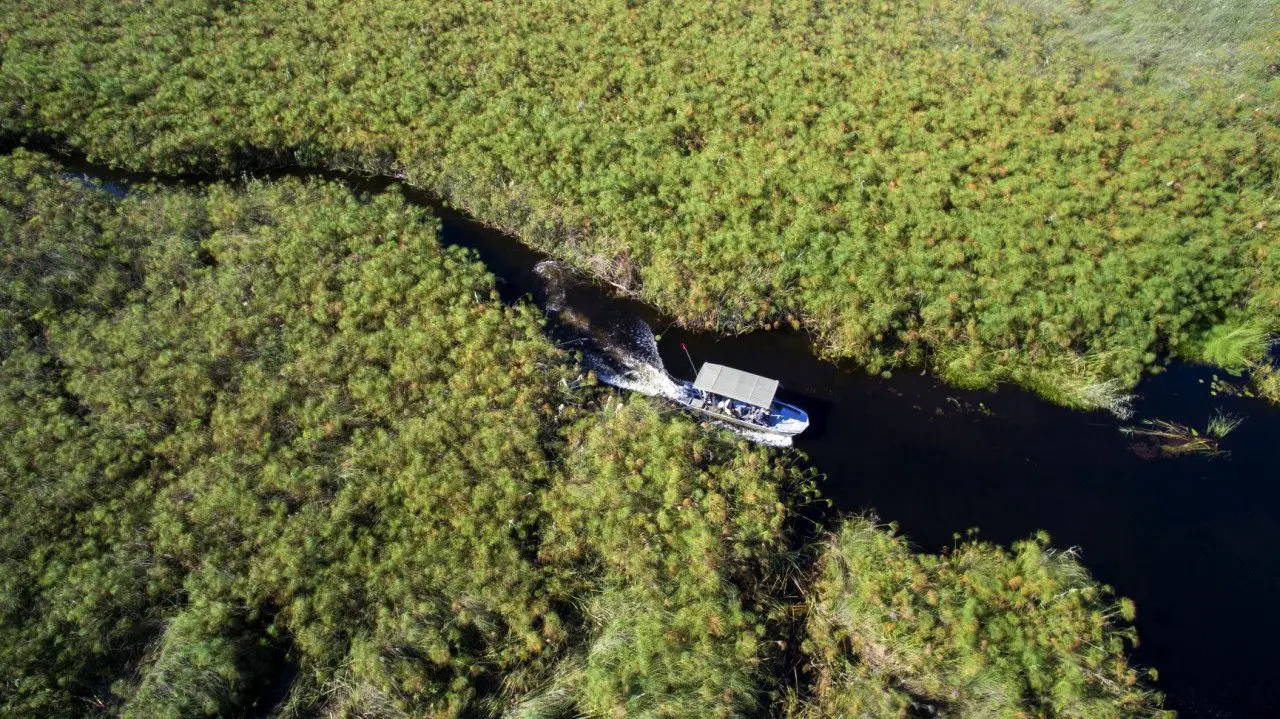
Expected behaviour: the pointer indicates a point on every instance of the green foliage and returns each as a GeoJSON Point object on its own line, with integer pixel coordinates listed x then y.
{"type": "Point", "coordinates": [684, 528]}
{"type": "Point", "coordinates": [244, 425]}
{"type": "Point", "coordinates": [195, 669]}
{"type": "Point", "coordinates": [1266, 380]}
{"type": "Point", "coordinates": [295, 396]}
{"type": "Point", "coordinates": [1187, 45]}
{"type": "Point", "coordinates": [78, 580]}
{"type": "Point", "coordinates": [1223, 424]}
{"type": "Point", "coordinates": [967, 183]}
{"type": "Point", "coordinates": [976, 632]}
{"type": "Point", "coordinates": [1236, 348]}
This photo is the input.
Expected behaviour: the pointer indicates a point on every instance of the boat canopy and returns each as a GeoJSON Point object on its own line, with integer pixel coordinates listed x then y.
{"type": "Point", "coordinates": [736, 384]}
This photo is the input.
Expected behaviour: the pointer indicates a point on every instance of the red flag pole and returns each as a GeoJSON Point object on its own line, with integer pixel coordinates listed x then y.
{"type": "Point", "coordinates": [691, 364]}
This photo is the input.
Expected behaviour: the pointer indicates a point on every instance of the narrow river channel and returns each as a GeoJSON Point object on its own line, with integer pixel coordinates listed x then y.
{"type": "Point", "coordinates": [1191, 540]}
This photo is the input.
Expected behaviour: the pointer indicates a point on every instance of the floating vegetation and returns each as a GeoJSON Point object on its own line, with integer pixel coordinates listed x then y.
{"type": "Point", "coordinates": [1261, 379]}
{"type": "Point", "coordinates": [1160, 437]}
{"type": "Point", "coordinates": [1223, 424]}
{"type": "Point", "coordinates": [956, 405]}
{"type": "Point", "coordinates": [1227, 387]}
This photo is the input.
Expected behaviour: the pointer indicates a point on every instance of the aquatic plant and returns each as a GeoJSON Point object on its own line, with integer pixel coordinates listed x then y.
{"type": "Point", "coordinates": [686, 533]}
{"type": "Point", "coordinates": [1246, 349]}
{"type": "Point", "coordinates": [1171, 438]}
{"type": "Point", "coordinates": [1237, 347]}
{"type": "Point", "coordinates": [1222, 424]}
{"type": "Point", "coordinates": [991, 190]}
{"type": "Point", "coordinates": [263, 419]}
{"type": "Point", "coordinates": [263, 439]}
{"type": "Point", "coordinates": [1266, 380]}
{"type": "Point", "coordinates": [978, 631]}
{"type": "Point", "coordinates": [244, 421]}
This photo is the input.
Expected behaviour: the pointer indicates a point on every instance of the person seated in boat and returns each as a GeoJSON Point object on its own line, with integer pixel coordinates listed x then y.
{"type": "Point", "coordinates": [759, 415]}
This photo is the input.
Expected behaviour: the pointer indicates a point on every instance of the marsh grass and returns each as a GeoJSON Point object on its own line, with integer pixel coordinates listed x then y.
{"type": "Point", "coordinates": [977, 631]}
{"type": "Point", "coordinates": [1172, 438]}
{"type": "Point", "coordinates": [1237, 348]}
{"type": "Point", "coordinates": [1180, 44]}
{"type": "Point", "coordinates": [1163, 437]}
{"type": "Point", "coordinates": [1085, 382]}
{"type": "Point", "coordinates": [557, 698]}
{"type": "Point", "coordinates": [1223, 424]}
{"type": "Point", "coordinates": [1109, 395]}
{"type": "Point", "coordinates": [1266, 382]}
{"type": "Point", "coordinates": [963, 178]}
{"type": "Point", "coordinates": [1244, 349]}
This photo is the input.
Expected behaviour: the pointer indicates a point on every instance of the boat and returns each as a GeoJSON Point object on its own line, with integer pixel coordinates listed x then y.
{"type": "Point", "coordinates": [742, 399]}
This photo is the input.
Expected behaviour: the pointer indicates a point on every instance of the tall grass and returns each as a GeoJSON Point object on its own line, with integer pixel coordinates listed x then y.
{"type": "Point", "coordinates": [1223, 424]}
{"type": "Point", "coordinates": [1245, 348]}
{"type": "Point", "coordinates": [1236, 348]}
{"type": "Point", "coordinates": [978, 631]}
{"type": "Point", "coordinates": [964, 178]}
{"type": "Point", "coordinates": [1088, 382]}
{"type": "Point", "coordinates": [1266, 380]}
{"type": "Point", "coordinates": [1181, 43]}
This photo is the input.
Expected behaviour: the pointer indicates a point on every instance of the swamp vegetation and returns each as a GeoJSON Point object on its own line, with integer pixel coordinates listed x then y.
{"type": "Point", "coordinates": [269, 448]}
{"type": "Point", "coordinates": [975, 631]}
{"type": "Point", "coordinates": [1062, 195]}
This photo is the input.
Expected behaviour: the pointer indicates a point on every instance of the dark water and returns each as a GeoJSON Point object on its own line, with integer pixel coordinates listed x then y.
{"type": "Point", "coordinates": [1192, 540]}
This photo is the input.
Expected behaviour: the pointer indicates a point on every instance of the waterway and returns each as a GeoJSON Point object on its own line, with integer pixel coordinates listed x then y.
{"type": "Point", "coordinates": [1191, 540]}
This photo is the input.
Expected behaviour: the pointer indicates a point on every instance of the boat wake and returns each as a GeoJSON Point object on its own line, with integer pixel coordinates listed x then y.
{"type": "Point", "coordinates": [635, 375]}
{"type": "Point", "coordinates": [620, 348]}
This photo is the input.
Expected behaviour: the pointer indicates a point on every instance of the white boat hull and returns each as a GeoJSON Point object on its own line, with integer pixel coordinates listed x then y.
{"type": "Point", "coordinates": [783, 419]}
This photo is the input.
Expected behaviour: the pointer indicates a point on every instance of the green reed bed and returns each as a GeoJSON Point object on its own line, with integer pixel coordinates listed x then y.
{"type": "Point", "coordinates": [987, 189]}
{"type": "Point", "coordinates": [271, 447]}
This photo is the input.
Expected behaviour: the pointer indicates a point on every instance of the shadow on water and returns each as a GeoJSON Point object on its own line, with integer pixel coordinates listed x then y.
{"type": "Point", "coordinates": [1191, 540]}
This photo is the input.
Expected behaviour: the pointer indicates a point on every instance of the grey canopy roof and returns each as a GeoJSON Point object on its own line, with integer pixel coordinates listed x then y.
{"type": "Point", "coordinates": [736, 384]}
